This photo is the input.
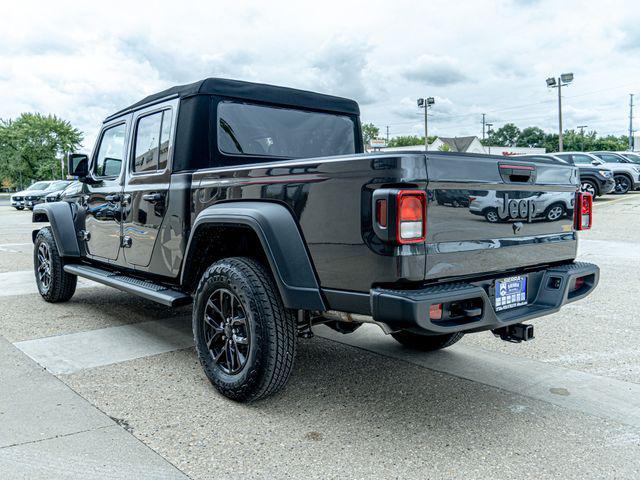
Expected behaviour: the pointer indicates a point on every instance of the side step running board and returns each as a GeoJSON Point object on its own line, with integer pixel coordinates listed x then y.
{"type": "Point", "coordinates": [142, 288]}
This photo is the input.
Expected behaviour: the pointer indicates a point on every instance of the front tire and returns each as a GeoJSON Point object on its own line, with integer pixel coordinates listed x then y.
{"type": "Point", "coordinates": [623, 184]}
{"type": "Point", "coordinates": [19, 208]}
{"type": "Point", "coordinates": [590, 187]}
{"type": "Point", "coordinates": [427, 343]}
{"type": "Point", "coordinates": [54, 284]}
{"type": "Point", "coordinates": [245, 337]}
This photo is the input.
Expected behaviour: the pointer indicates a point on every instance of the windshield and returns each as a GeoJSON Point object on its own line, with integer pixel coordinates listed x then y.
{"type": "Point", "coordinates": [245, 129]}
{"type": "Point", "coordinates": [39, 186]}
{"type": "Point", "coordinates": [632, 157]}
{"type": "Point", "coordinates": [55, 186]}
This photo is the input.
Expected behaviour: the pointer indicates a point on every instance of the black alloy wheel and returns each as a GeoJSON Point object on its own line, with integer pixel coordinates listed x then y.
{"type": "Point", "coordinates": [623, 185]}
{"type": "Point", "coordinates": [43, 268]}
{"type": "Point", "coordinates": [227, 331]}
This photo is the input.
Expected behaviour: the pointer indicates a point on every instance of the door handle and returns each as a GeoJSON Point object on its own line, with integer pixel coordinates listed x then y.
{"type": "Point", "coordinates": [153, 197]}
{"type": "Point", "coordinates": [112, 198]}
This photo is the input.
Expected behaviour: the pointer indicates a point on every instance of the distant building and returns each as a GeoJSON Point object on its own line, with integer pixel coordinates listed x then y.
{"type": "Point", "coordinates": [467, 145]}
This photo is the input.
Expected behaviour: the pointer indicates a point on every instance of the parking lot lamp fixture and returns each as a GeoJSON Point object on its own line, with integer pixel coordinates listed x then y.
{"type": "Point", "coordinates": [426, 103]}
{"type": "Point", "coordinates": [562, 81]}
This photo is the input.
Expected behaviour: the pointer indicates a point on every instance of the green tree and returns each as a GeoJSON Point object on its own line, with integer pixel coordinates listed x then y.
{"type": "Point", "coordinates": [506, 136]}
{"type": "Point", "coordinates": [409, 141]}
{"type": "Point", "coordinates": [531, 137]}
{"type": "Point", "coordinates": [369, 131]}
{"type": "Point", "coordinates": [444, 147]}
{"type": "Point", "coordinates": [32, 146]}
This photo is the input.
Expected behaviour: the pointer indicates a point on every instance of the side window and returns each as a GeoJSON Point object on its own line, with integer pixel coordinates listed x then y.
{"type": "Point", "coordinates": [111, 152]}
{"type": "Point", "coordinates": [152, 142]}
{"type": "Point", "coordinates": [610, 158]}
{"type": "Point", "coordinates": [165, 133]}
{"type": "Point", "coordinates": [582, 159]}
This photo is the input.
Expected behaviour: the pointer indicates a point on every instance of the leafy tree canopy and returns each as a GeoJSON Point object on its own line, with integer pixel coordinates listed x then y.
{"type": "Point", "coordinates": [32, 147]}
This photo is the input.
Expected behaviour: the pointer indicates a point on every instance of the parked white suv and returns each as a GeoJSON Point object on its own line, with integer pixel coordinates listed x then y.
{"type": "Point", "coordinates": [549, 206]}
{"type": "Point", "coordinates": [625, 172]}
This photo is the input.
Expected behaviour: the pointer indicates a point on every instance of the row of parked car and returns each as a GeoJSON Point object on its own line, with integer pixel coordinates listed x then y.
{"type": "Point", "coordinates": [45, 191]}
{"type": "Point", "coordinates": [601, 172]}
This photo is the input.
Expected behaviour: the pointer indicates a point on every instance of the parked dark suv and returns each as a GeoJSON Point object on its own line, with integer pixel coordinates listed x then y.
{"type": "Point", "coordinates": [256, 204]}
{"type": "Point", "coordinates": [595, 179]}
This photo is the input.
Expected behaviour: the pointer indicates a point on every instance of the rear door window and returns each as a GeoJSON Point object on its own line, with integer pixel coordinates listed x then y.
{"type": "Point", "coordinates": [246, 129]}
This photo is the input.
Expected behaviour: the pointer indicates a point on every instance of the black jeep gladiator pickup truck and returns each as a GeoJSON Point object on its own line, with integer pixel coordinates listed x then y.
{"type": "Point", "coordinates": [257, 204]}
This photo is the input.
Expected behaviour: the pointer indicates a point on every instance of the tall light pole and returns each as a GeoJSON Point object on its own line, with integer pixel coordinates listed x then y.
{"type": "Point", "coordinates": [562, 81]}
{"type": "Point", "coordinates": [631, 122]}
{"type": "Point", "coordinates": [426, 103]}
{"type": "Point", "coordinates": [483, 125]}
{"type": "Point", "coordinates": [582, 127]}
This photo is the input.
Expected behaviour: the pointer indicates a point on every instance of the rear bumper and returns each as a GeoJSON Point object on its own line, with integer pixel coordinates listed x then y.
{"type": "Point", "coordinates": [547, 291]}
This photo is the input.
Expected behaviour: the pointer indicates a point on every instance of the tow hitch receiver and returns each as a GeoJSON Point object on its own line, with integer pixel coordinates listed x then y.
{"type": "Point", "coordinates": [515, 333]}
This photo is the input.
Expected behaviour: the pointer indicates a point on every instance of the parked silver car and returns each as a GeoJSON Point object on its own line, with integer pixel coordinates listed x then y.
{"type": "Point", "coordinates": [18, 199]}
{"type": "Point", "coordinates": [625, 172]}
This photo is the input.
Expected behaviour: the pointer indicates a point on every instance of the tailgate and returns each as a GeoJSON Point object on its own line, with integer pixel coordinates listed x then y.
{"type": "Point", "coordinates": [493, 214]}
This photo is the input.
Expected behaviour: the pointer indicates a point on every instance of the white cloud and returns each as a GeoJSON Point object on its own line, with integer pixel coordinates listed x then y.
{"type": "Point", "coordinates": [83, 61]}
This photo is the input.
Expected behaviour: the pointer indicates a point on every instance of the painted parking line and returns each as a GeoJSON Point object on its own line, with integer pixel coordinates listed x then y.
{"type": "Point", "coordinates": [70, 353]}
{"type": "Point", "coordinates": [24, 283]}
{"type": "Point", "coordinates": [587, 393]}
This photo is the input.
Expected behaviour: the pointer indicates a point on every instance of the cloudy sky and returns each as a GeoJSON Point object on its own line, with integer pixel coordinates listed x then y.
{"type": "Point", "coordinates": [82, 61]}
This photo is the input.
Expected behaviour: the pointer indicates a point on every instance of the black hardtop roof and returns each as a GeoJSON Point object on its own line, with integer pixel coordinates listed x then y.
{"type": "Point", "coordinates": [259, 92]}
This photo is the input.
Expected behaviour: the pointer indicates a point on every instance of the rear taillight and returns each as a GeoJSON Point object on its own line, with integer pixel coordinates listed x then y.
{"type": "Point", "coordinates": [411, 216]}
{"type": "Point", "coordinates": [583, 216]}
{"type": "Point", "coordinates": [381, 212]}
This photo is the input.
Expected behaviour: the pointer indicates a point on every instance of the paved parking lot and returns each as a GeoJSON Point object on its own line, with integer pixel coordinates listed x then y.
{"type": "Point", "coordinates": [118, 392]}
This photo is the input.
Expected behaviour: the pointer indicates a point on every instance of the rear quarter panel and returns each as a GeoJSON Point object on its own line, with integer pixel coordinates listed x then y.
{"type": "Point", "coordinates": [330, 198]}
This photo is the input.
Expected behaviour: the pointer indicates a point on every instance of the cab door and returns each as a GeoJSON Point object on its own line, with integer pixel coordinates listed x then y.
{"type": "Point", "coordinates": [103, 196]}
{"type": "Point", "coordinates": [147, 186]}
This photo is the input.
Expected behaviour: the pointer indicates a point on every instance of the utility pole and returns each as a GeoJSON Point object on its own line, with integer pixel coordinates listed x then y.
{"type": "Point", "coordinates": [387, 135]}
{"type": "Point", "coordinates": [426, 103]}
{"type": "Point", "coordinates": [562, 81]}
{"type": "Point", "coordinates": [483, 124]}
{"type": "Point", "coordinates": [631, 122]}
{"type": "Point", "coordinates": [582, 127]}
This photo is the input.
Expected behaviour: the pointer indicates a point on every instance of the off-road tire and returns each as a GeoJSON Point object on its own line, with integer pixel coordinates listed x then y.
{"type": "Point", "coordinates": [62, 285]}
{"type": "Point", "coordinates": [427, 343]}
{"type": "Point", "coordinates": [272, 330]}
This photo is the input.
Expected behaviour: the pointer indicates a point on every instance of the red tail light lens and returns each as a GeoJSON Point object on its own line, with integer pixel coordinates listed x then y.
{"type": "Point", "coordinates": [412, 216]}
{"type": "Point", "coordinates": [435, 311]}
{"type": "Point", "coordinates": [583, 211]}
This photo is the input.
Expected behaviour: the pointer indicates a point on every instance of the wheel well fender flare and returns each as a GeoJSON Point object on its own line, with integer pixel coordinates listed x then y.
{"type": "Point", "coordinates": [60, 217]}
{"type": "Point", "coordinates": [281, 241]}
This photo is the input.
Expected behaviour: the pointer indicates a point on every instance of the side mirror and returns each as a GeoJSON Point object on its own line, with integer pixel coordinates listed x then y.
{"type": "Point", "coordinates": [597, 162]}
{"type": "Point", "coordinates": [78, 165]}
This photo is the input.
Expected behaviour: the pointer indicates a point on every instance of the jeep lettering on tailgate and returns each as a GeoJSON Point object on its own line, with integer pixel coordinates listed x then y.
{"type": "Point", "coordinates": [517, 209]}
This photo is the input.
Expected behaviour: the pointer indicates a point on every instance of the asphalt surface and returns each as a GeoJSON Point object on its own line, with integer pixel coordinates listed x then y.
{"type": "Point", "coordinates": [108, 386]}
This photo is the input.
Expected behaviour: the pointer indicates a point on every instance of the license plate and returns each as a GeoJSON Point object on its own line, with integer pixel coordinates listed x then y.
{"type": "Point", "coordinates": [511, 292]}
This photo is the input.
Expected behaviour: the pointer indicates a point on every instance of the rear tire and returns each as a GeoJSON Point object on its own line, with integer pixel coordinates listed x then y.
{"type": "Point", "coordinates": [491, 215]}
{"type": "Point", "coordinates": [427, 343]}
{"type": "Point", "coordinates": [245, 338]}
{"type": "Point", "coordinates": [554, 212]}
{"type": "Point", "coordinates": [54, 284]}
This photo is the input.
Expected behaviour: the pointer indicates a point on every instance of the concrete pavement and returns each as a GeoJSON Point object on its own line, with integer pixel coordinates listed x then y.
{"type": "Point", "coordinates": [123, 394]}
